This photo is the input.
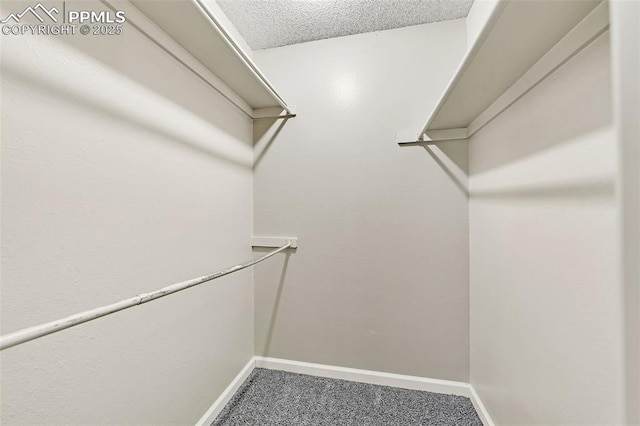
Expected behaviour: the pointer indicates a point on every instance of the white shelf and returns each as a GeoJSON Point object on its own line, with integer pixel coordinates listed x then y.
{"type": "Point", "coordinates": [522, 43]}
{"type": "Point", "coordinates": [189, 31]}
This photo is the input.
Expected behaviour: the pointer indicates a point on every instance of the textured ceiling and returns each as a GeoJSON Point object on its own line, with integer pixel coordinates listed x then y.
{"type": "Point", "coordinates": [272, 23]}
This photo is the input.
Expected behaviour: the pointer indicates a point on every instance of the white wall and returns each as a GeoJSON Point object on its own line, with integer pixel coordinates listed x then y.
{"type": "Point", "coordinates": [121, 173]}
{"type": "Point", "coordinates": [380, 279]}
{"type": "Point", "coordinates": [546, 344]}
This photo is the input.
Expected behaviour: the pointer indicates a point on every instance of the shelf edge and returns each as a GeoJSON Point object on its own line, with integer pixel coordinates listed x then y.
{"type": "Point", "coordinates": [152, 31]}
{"type": "Point", "coordinates": [145, 26]}
{"type": "Point", "coordinates": [584, 33]}
{"type": "Point", "coordinates": [466, 60]}
{"type": "Point", "coordinates": [235, 47]}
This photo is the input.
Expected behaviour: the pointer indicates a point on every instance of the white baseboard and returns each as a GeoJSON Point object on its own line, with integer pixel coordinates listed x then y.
{"type": "Point", "coordinates": [351, 374]}
{"type": "Point", "coordinates": [226, 396]}
{"type": "Point", "coordinates": [480, 408]}
{"type": "Point", "coordinates": [365, 376]}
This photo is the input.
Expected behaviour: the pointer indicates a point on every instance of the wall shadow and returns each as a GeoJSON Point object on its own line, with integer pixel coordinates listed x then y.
{"type": "Point", "coordinates": [260, 128]}
{"type": "Point", "coordinates": [575, 100]}
{"type": "Point", "coordinates": [59, 93]}
{"type": "Point", "coordinates": [276, 306]}
{"type": "Point", "coordinates": [451, 156]}
{"type": "Point", "coordinates": [604, 188]}
{"type": "Point", "coordinates": [456, 169]}
{"type": "Point", "coordinates": [512, 147]}
{"type": "Point", "coordinates": [142, 61]}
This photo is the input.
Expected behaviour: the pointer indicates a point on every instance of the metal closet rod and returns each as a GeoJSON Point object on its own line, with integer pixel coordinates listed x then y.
{"type": "Point", "coordinates": [35, 332]}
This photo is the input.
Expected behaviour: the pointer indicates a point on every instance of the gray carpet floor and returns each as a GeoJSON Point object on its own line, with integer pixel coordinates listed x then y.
{"type": "Point", "coordinates": [270, 397]}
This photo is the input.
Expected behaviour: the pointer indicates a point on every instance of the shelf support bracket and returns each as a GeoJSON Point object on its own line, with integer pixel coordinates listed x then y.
{"type": "Point", "coordinates": [274, 241]}
{"type": "Point", "coordinates": [274, 113]}
{"type": "Point", "coordinates": [430, 136]}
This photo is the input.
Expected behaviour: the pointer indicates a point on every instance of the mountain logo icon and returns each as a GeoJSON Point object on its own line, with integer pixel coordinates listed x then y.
{"type": "Point", "coordinates": [38, 11]}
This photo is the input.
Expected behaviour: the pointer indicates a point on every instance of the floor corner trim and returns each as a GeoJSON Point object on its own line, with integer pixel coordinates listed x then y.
{"type": "Point", "coordinates": [366, 376]}
{"type": "Point", "coordinates": [227, 394]}
{"type": "Point", "coordinates": [480, 408]}
{"type": "Point", "coordinates": [351, 374]}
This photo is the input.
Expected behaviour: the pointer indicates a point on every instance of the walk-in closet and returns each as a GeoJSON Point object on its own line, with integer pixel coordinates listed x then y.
{"type": "Point", "coordinates": [320, 212]}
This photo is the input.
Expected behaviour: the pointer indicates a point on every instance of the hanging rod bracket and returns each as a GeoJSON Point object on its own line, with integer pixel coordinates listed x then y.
{"type": "Point", "coordinates": [274, 242]}
{"type": "Point", "coordinates": [408, 138]}
{"type": "Point", "coordinates": [274, 113]}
